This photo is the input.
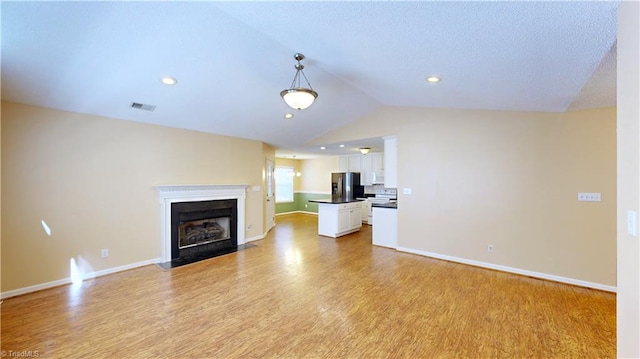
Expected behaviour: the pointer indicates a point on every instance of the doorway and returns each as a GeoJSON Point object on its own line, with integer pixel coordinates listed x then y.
{"type": "Point", "coordinates": [270, 211]}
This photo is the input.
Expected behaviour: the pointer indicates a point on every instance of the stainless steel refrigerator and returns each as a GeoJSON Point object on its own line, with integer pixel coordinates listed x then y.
{"type": "Point", "coordinates": [345, 186]}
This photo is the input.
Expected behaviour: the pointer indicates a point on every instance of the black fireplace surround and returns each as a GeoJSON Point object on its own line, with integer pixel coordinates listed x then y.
{"type": "Point", "coordinates": [203, 215]}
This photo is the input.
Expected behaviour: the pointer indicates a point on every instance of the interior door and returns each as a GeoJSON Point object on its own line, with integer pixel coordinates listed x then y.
{"type": "Point", "coordinates": [270, 196]}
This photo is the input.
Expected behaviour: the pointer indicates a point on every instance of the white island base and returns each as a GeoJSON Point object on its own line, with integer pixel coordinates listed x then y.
{"type": "Point", "coordinates": [338, 219]}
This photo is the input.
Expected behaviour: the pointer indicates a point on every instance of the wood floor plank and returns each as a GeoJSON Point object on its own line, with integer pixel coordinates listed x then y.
{"type": "Point", "coordinates": [300, 295]}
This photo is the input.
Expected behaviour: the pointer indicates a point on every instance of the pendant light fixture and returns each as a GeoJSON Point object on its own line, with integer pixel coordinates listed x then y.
{"type": "Point", "coordinates": [298, 97]}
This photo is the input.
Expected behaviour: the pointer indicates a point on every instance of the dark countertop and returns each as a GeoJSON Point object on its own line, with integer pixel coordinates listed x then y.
{"type": "Point", "coordinates": [336, 201]}
{"type": "Point", "coordinates": [392, 205]}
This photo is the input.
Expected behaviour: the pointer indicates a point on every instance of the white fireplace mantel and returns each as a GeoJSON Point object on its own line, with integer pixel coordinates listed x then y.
{"type": "Point", "coordinates": [192, 193]}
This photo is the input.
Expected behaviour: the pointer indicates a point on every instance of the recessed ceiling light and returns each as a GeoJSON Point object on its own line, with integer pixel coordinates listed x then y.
{"type": "Point", "coordinates": [169, 80]}
{"type": "Point", "coordinates": [433, 79]}
{"type": "Point", "coordinates": [341, 146]}
{"type": "Point", "coordinates": [288, 115]}
{"type": "Point", "coordinates": [323, 148]}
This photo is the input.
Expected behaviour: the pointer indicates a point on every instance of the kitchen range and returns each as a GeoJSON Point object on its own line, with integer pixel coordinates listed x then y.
{"type": "Point", "coordinates": [382, 197]}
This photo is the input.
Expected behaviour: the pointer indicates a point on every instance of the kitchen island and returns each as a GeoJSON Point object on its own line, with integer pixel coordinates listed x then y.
{"type": "Point", "coordinates": [338, 217]}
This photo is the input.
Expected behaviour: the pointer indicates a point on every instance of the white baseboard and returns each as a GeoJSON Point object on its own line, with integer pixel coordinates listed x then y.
{"type": "Point", "coordinates": [260, 236]}
{"type": "Point", "coordinates": [59, 282]}
{"type": "Point", "coordinates": [305, 212]}
{"type": "Point", "coordinates": [285, 213]}
{"type": "Point", "coordinates": [502, 268]}
{"type": "Point", "coordinates": [294, 212]}
{"type": "Point", "coordinates": [256, 238]}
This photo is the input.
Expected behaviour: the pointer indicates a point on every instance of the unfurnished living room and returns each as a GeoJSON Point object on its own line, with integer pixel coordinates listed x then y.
{"type": "Point", "coordinates": [315, 179]}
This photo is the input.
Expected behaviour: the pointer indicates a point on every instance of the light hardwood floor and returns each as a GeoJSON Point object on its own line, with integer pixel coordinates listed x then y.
{"type": "Point", "coordinates": [298, 295]}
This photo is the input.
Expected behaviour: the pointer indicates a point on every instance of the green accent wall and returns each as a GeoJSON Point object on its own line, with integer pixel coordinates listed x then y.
{"type": "Point", "coordinates": [287, 207]}
{"type": "Point", "coordinates": [301, 199]}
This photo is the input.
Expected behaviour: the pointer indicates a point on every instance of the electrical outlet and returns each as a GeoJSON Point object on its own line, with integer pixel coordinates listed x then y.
{"type": "Point", "coordinates": [490, 248]}
{"type": "Point", "coordinates": [104, 253]}
{"type": "Point", "coordinates": [306, 205]}
{"type": "Point", "coordinates": [249, 226]}
{"type": "Point", "coordinates": [588, 197]}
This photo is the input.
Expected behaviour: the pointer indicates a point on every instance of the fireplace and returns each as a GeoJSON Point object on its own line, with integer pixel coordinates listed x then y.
{"type": "Point", "coordinates": [210, 217]}
{"type": "Point", "coordinates": [201, 227]}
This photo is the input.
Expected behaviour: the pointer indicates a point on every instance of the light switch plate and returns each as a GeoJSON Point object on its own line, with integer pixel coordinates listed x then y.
{"type": "Point", "coordinates": [407, 191]}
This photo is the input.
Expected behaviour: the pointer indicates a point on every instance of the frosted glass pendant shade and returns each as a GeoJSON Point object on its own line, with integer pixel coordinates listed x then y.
{"type": "Point", "coordinates": [296, 96]}
{"type": "Point", "coordinates": [299, 98]}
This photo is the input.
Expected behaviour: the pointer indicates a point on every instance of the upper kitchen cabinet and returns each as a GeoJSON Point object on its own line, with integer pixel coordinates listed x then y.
{"type": "Point", "coordinates": [365, 170]}
{"type": "Point", "coordinates": [366, 165]}
{"type": "Point", "coordinates": [391, 162]}
{"type": "Point", "coordinates": [343, 164]}
{"type": "Point", "coordinates": [349, 163]}
{"type": "Point", "coordinates": [369, 164]}
{"type": "Point", "coordinates": [377, 162]}
{"type": "Point", "coordinates": [355, 163]}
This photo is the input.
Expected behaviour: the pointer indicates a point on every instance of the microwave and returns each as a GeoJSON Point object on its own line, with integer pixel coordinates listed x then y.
{"type": "Point", "coordinates": [377, 177]}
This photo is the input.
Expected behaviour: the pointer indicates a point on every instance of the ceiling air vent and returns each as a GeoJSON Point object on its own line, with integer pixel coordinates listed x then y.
{"type": "Point", "coordinates": [142, 106]}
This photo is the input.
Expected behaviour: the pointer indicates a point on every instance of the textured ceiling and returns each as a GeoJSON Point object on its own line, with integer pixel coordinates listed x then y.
{"type": "Point", "coordinates": [232, 59]}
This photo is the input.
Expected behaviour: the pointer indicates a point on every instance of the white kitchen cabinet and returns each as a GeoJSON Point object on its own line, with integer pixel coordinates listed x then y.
{"type": "Point", "coordinates": [335, 220]}
{"type": "Point", "coordinates": [355, 218]}
{"type": "Point", "coordinates": [351, 163]}
{"type": "Point", "coordinates": [355, 163]}
{"type": "Point", "coordinates": [391, 162]}
{"type": "Point", "coordinates": [365, 170]}
{"type": "Point", "coordinates": [377, 162]}
{"type": "Point", "coordinates": [385, 227]}
{"type": "Point", "coordinates": [344, 222]}
{"type": "Point", "coordinates": [372, 163]}
{"type": "Point", "coordinates": [343, 164]}
{"type": "Point", "coordinates": [364, 164]}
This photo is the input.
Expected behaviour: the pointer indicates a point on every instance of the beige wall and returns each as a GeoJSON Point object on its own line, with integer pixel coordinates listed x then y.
{"type": "Point", "coordinates": [509, 179]}
{"type": "Point", "coordinates": [628, 305]}
{"type": "Point", "coordinates": [316, 174]}
{"type": "Point", "coordinates": [91, 180]}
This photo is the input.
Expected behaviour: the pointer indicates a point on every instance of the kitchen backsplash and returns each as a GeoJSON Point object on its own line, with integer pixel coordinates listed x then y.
{"type": "Point", "coordinates": [379, 189]}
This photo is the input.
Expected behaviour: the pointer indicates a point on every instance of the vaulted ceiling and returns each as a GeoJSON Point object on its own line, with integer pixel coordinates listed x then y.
{"type": "Point", "coordinates": [232, 59]}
